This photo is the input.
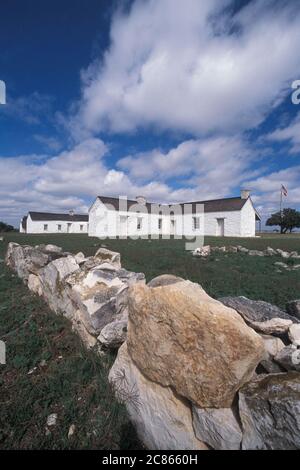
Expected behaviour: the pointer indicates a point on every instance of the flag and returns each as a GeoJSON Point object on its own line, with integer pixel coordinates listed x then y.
{"type": "Point", "coordinates": [284, 190]}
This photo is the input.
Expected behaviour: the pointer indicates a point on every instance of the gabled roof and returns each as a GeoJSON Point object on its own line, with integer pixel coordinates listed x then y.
{"type": "Point", "coordinates": [45, 216]}
{"type": "Point", "coordinates": [214, 205]}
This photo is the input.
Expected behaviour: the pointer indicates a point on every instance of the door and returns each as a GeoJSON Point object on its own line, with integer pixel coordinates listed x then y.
{"type": "Point", "coordinates": [220, 227]}
{"type": "Point", "coordinates": [69, 226]}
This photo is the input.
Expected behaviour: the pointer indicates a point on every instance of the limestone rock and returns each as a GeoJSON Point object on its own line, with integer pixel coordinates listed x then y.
{"type": "Point", "coordinates": [53, 248]}
{"type": "Point", "coordinates": [52, 279]}
{"type": "Point", "coordinates": [294, 334]}
{"type": "Point", "coordinates": [272, 344]}
{"type": "Point", "coordinates": [258, 314]}
{"type": "Point", "coordinates": [163, 421]}
{"type": "Point", "coordinates": [273, 326]}
{"type": "Point", "coordinates": [112, 257]}
{"type": "Point", "coordinates": [217, 427]}
{"type": "Point", "coordinates": [242, 249]}
{"type": "Point", "coordinates": [34, 284]}
{"type": "Point", "coordinates": [289, 358]}
{"type": "Point", "coordinates": [114, 334]}
{"type": "Point", "coordinates": [231, 249]}
{"type": "Point", "coordinates": [178, 336]}
{"type": "Point", "coordinates": [283, 254]}
{"type": "Point", "coordinates": [270, 412]}
{"type": "Point", "coordinates": [25, 259]}
{"type": "Point", "coordinates": [203, 252]}
{"type": "Point", "coordinates": [164, 280]}
{"type": "Point", "coordinates": [293, 308]}
{"type": "Point", "coordinates": [270, 251]}
{"type": "Point", "coordinates": [255, 253]}
{"type": "Point", "coordinates": [100, 294]}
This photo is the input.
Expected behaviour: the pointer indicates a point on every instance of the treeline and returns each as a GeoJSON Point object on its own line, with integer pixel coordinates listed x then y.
{"type": "Point", "coordinates": [6, 227]}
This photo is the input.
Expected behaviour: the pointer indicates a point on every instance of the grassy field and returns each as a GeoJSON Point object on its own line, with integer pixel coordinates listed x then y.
{"type": "Point", "coordinates": [72, 382]}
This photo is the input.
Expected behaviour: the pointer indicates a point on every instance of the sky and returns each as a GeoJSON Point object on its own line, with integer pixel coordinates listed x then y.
{"type": "Point", "coordinates": [176, 101]}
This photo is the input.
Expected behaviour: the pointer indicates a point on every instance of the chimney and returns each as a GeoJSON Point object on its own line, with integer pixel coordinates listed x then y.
{"type": "Point", "coordinates": [71, 212]}
{"type": "Point", "coordinates": [141, 200]}
{"type": "Point", "coordinates": [245, 193]}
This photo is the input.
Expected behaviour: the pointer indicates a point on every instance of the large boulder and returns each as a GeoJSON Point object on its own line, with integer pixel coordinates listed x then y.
{"type": "Point", "coordinates": [270, 412]}
{"type": "Point", "coordinates": [217, 427]}
{"type": "Point", "coordinates": [294, 334]}
{"type": "Point", "coordinates": [180, 337]}
{"type": "Point", "coordinates": [163, 421]}
{"type": "Point", "coordinates": [262, 316]}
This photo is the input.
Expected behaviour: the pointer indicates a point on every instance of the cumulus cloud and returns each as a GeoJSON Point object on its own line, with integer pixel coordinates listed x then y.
{"type": "Point", "coordinates": [194, 66]}
{"type": "Point", "coordinates": [289, 134]}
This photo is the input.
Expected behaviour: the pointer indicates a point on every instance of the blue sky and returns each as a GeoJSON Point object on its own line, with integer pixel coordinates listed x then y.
{"type": "Point", "coordinates": [174, 100]}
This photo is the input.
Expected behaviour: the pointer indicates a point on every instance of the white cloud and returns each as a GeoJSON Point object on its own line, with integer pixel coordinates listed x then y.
{"type": "Point", "coordinates": [289, 134]}
{"type": "Point", "coordinates": [191, 66]}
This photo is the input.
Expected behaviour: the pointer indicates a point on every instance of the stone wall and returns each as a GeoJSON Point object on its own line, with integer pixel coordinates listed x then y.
{"type": "Point", "coordinates": [194, 372]}
{"type": "Point", "coordinates": [91, 292]}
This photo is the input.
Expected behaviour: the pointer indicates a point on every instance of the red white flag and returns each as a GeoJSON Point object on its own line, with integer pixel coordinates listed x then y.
{"type": "Point", "coordinates": [284, 190]}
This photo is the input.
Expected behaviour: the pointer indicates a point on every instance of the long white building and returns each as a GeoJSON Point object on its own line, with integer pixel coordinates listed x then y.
{"type": "Point", "coordinates": [230, 217]}
{"type": "Point", "coordinates": [46, 222]}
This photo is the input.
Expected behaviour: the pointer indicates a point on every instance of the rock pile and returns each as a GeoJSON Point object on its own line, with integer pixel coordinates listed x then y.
{"type": "Point", "coordinates": [193, 372]}
{"type": "Point", "coordinates": [207, 250]}
{"type": "Point", "coordinates": [91, 292]}
{"type": "Point", "coordinates": [188, 372]}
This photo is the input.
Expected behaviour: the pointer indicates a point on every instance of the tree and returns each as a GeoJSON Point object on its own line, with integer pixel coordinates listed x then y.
{"type": "Point", "coordinates": [5, 227]}
{"type": "Point", "coordinates": [287, 221]}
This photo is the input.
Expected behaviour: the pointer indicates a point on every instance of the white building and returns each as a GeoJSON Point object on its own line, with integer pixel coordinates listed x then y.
{"type": "Point", "coordinates": [230, 217]}
{"type": "Point", "coordinates": [45, 222]}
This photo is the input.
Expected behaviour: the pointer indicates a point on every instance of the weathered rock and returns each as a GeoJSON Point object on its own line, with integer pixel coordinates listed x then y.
{"type": "Point", "coordinates": [178, 336]}
{"type": "Point", "coordinates": [100, 295]}
{"type": "Point", "coordinates": [52, 419]}
{"type": "Point", "coordinates": [242, 249]}
{"type": "Point", "coordinates": [34, 284]}
{"type": "Point", "coordinates": [272, 345]}
{"type": "Point", "coordinates": [281, 265]}
{"type": "Point", "coordinates": [270, 412]}
{"type": "Point", "coordinates": [270, 251]}
{"type": "Point", "coordinates": [289, 358]}
{"type": "Point", "coordinates": [112, 257]}
{"type": "Point", "coordinates": [80, 258]}
{"type": "Point", "coordinates": [52, 279]}
{"type": "Point", "coordinates": [255, 253]}
{"type": "Point", "coordinates": [260, 315]}
{"type": "Point", "coordinates": [294, 334]}
{"type": "Point", "coordinates": [283, 254]}
{"type": "Point", "coordinates": [163, 421]}
{"type": "Point", "coordinates": [231, 249]}
{"type": "Point", "coordinates": [164, 280]}
{"type": "Point", "coordinates": [293, 308]}
{"type": "Point", "coordinates": [26, 260]}
{"type": "Point", "coordinates": [274, 326]}
{"type": "Point", "coordinates": [114, 334]}
{"type": "Point", "coordinates": [204, 251]}
{"type": "Point", "coordinates": [218, 428]}
{"type": "Point", "coordinates": [53, 248]}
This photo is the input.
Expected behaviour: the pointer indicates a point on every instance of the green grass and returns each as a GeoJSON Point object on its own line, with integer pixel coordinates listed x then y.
{"type": "Point", "coordinates": [72, 383]}
{"type": "Point", "coordinates": [75, 386]}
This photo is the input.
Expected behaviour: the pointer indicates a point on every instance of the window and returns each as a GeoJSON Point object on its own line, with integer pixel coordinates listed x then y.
{"type": "Point", "coordinates": [59, 227]}
{"type": "Point", "coordinates": [196, 223]}
{"type": "Point", "coordinates": [81, 228]}
{"type": "Point", "coordinates": [159, 224]}
{"type": "Point", "coordinates": [45, 227]}
{"type": "Point", "coordinates": [139, 223]}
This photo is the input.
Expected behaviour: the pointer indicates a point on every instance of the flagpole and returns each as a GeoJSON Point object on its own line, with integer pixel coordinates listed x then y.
{"type": "Point", "coordinates": [281, 203]}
